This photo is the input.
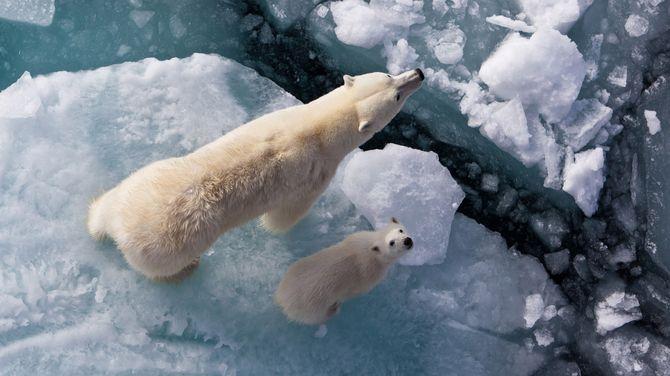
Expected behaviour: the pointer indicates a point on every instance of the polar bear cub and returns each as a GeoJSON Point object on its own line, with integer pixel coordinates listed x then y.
{"type": "Point", "coordinates": [314, 287]}
{"type": "Point", "coordinates": [166, 214]}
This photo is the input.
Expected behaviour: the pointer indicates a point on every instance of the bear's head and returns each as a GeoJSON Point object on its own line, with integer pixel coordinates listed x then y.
{"type": "Point", "coordinates": [379, 96]}
{"type": "Point", "coordinates": [394, 241]}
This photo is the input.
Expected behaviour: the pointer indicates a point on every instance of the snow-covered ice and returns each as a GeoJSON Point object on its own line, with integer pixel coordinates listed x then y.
{"type": "Point", "coordinates": [556, 14]}
{"type": "Point", "coordinates": [20, 100]}
{"type": "Point", "coordinates": [412, 186]}
{"type": "Point", "coordinates": [70, 304]}
{"type": "Point", "coordinates": [38, 12]}
{"type": "Point", "coordinates": [516, 25]}
{"type": "Point", "coordinates": [518, 68]}
{"type": "Point", "coordinates": [366, 25]}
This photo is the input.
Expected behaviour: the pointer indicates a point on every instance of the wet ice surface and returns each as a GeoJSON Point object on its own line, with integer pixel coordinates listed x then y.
{"type": "Point", "coordinates": [578, 104]}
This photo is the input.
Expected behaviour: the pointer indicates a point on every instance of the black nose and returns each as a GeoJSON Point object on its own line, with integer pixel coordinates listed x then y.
{"type": "Point", "coordinates": [408, 242]}
{"type": "Point", "coordinates": [420, 73]}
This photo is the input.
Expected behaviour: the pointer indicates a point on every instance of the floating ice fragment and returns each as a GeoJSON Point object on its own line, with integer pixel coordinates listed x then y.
{"type": "Point", "coordinates": [545, 72]}
{"type": "Point", "coordinates": [582, 124]}
{"type": "Point", "coordinates": [636, 25]}
{"type": "Point", "coordinates": [141, 17]}
{"type": "Point", "coordinates": [321, 331]}
{"type": "Point", "coordinates": [177, 27]}
{"type": "Point", "coordinates": [557, 262]}
{"type": "Point", "coordinates": [20, 100]}
{"type": "Point", "coordinates": [490, 183]}
{"type": "Point", "coordinates": [543, 337]}
{"type": "Point", "coordinates": [618, 76]}
{"type": "Point", "coordinates": [400, 57]}
{"type": "Point", "coordinates": [584, 177]}
{"type": "Point", "coordinates": [533, 310]}
{"type": "Point", "coordinates": [367, 24]}
{"type": "Point", "coordinates": [123, 49]}
{"type": "Point", "coordinates": [38, 12]}
{"type": "Point", "coordinates": [556, 14]}
{"type": "Point", "coordinates": [516, 25]}
{"type": "Point", "coordinates": [653, 124]}
{"type": "Point", "coordinates": [447, 45]}
{"type": "Point", "coordinates": [411, 185]}
{"type": "Point", "coordinates": [615, 310]}
{"type": "Point", "coordinates": [549, 227]}
{"type": "Point", "coordinates": [549, 313]}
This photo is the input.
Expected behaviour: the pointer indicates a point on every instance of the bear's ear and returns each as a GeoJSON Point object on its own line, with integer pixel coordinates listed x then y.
{"type": "Point", "coordinates": [394, 220]}
{"type": "Point", "coordinates": [375, 249]}
{"type": "Point", "coordinates": [348, 80]}
{"type": "Point", "coordinates": [364, 125]}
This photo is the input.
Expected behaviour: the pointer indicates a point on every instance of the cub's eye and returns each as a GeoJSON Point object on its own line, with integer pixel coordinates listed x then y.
{"type": "Point", "coordinates": [400, 231]}
{"type": "Point", "coordinates": [392, 243]}
{"type": "Point", "coordinates": [397, 97]}
{"type": "Point", "coordinates": [388, 75]}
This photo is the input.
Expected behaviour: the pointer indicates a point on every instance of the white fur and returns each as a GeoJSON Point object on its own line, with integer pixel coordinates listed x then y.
{"type": "Point", "coordinates": [314, 287]}
{"type": "Point", "coordinates": [168, 213]}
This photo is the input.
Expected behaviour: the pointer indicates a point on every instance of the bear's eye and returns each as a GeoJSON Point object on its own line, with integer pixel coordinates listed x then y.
{"type": "Point", "coordinates": [392, 243]}
{"type": "Point", "coordinates": [388, 75]}
{"type": "Point", "coordinates": [397, 97]}
{"type": "Point", "coordinates": [400, 231]}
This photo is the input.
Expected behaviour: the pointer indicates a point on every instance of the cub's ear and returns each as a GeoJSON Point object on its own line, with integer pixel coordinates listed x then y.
{"type": "Point", "coordinates": [394, 220]}
{"type": "Point", "coordinates": [375, 249]}
{"type": "Point", "coordinates": [348, 80]}
{"type": "Point", "coordinates": [364, 125]}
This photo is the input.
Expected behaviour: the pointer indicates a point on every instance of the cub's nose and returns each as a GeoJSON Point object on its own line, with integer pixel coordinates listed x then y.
{"type": "Point", "coordinates": [420, 73]}
{"type": "Point", "coordinates": [408, 242]}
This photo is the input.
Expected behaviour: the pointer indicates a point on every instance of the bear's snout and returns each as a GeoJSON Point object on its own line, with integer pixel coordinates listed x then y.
{"type": "Point", "coordinates": [421, 77]}
{"type": "Point", "coordinates": [408, 242]}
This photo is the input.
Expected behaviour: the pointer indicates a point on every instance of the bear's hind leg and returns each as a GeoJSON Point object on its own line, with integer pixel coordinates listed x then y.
{"type": "Point", "coordinates": [282, 218]}
{"type": "Point", "coordinates": [182, 274]}
{"type": "Point", "coordinates": [96, 219]}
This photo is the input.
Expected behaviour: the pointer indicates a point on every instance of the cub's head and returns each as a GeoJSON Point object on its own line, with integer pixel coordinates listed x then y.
{"type": "Point", "coordinates": [380, 96]}
{"type": "Point", "coordinates": [393, 242]}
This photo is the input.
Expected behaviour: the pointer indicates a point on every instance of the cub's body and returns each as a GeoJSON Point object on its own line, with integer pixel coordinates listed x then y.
{"type": "Point", "coordinates": [313, 288]}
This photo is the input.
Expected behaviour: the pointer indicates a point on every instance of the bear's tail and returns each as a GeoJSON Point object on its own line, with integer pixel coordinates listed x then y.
{"type": "Point", "coordinates": [96, 219]}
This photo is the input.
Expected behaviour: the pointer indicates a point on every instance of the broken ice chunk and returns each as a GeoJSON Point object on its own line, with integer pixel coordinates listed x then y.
{"type": "Point", "coordinates": [636, 25]}
{"type": "Point", "coordinates": [507, 127]}
{"type": "Point", "coordinates": [533, 310]}
{"type": "Point", "coordinates": [653, 124]}
{"type": "Point", "coordinates": [557, 262]}
{"type": "Point", "coordinates": [543, 337]}
{"type": "Point", "coordinates": [516, 25]}
{"type": "Point", "coordinates": [38, 12]}
{"type": "Point", "coordinates": [615, 310]}
{"type": "Point", "coordinates": [20, 100]}
{"type": "Point", "coordinates": [367, 24]}
{"type": "Point", "coordinates": [545, 72]}
{"type": "Point", "coordinates": [447, 45]}
{"type": "Point", "coordinates": [584, 177]}
{"type": "Point", "coordinates": [490, 183]}
{"type": "Point", "coordinates": [618, 76]}
{"type": "Point", "coordinates": [586, 118]}
{"type": "Point", "coordinates": [141, 17]}
{"type": "Point", "coordinates": [549, 227]}
{"type": "Point", "coordinates": [556, 14]}
{"type": "Point", "coordinates": [411, 185]}
{"type": "Point", "coordinates": [400, 57]}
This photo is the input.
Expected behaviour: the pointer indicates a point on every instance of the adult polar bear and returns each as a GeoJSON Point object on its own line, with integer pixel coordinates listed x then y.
{"type": "Point", "coordinates": [166, 214]}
